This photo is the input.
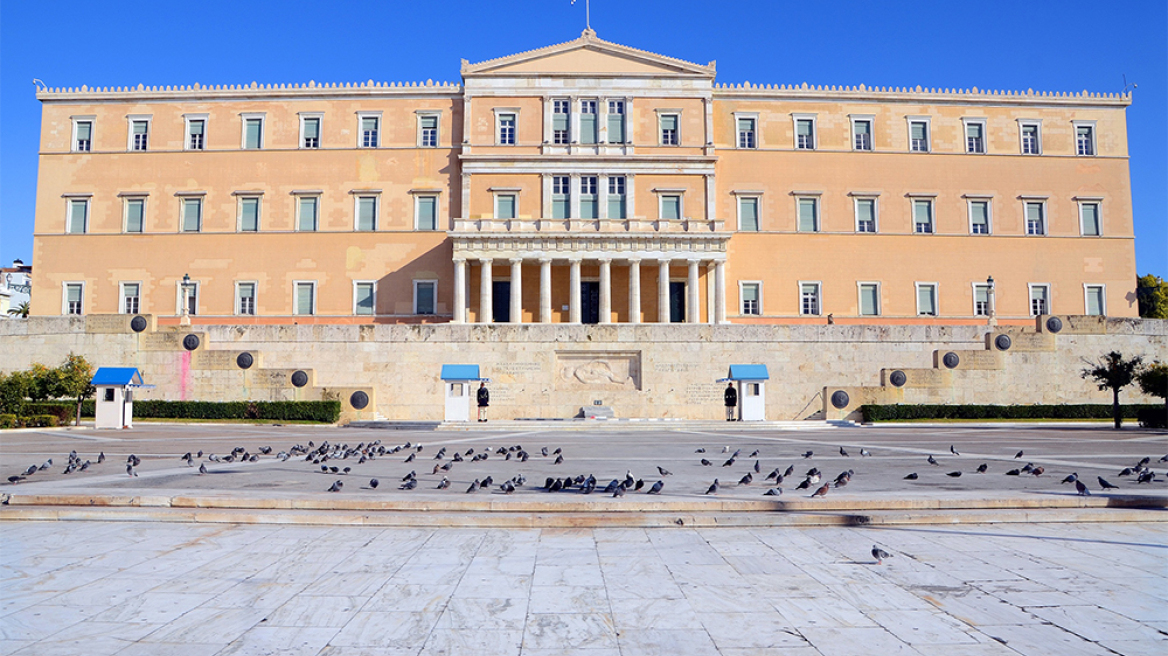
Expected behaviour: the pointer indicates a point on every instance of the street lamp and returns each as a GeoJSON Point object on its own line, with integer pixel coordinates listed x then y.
{"type": "Point", "coordinates": [185, 320]}
{"type": "Point", "coordinates": [991, 311]}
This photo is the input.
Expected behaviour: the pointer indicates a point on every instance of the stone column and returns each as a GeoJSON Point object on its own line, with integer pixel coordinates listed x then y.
{"type": "Point", "coordinates": [720, 291]}
{"type": "Point", "coordinates": [605, 290]}
{"type": "Point", "coordinates": [464, 211]}
{"type": "Point", "coordinates": [693, 313]}
{"type": "Point", "coordinates": [574, 291]}
{"type": "Point", "coordinates": [486, 308]}
{"type": "Point", "coordinates": [663, 291]}
{"type": "Point", "coordinates": [517, 290]}
{"type": "Point", "coordinates": [545, 290]}
{"type": "Point", "coordinates": [459, 290]}
{"type": "Point", "coordinates": [634, 291]}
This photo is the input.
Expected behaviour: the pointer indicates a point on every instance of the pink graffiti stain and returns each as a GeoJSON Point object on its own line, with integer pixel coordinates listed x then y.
{"type": "Point", "coordinates": [185, 375]}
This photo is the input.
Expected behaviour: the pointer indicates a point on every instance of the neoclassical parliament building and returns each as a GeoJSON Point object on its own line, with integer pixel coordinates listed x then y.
{"type": "Point", "coordinates": [585, 182]}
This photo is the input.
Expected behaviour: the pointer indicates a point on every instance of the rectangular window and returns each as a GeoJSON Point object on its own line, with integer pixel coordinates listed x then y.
{"type": "Point", "coordinates": [135, 214]}
{"type": "Point", "coordinates": [975, 138]}
{"type": "Point", "coordinates": [616, 121]}
{"type": "Point", "coordinates": [370, 131]}
{"type": "Point", "coordinates": [363, 298]}
{"type": "Point", "coordinates": [311, 129]}
{"type": "Point", "coordinates": [1035, 219]}
{"type": "Point", "coordinates": [561, 120]}
{"type": "Point", "coordinates": [249, 214]}
{"type": "Point", "coordinates": [561, 197]}
{"type": "Point", "coordinates": [308, 207]}
{"type": "Point", "coordinates": [750, 298]}
{"type": "Point", "coordinates": [748, 214]}
{"type": "Point", "coordinates": [923, 216]}
{"type": "Point", "coordinates": [865, 215]}
{"type": "Point", "coordinates": [862, 134]}
{"type": "Point", "coordinates": [926, 299]}
{"type": "Point", "coordinates": [195, 129]}
{"type": "Point", "coordinates": [981, 300]}
{"type": "Point", "coordinates": [140, 135]}
{"type": "Point", "coordinates": [1089, 219]}
{"type": "Point", "coordinates": [253, 133]}
{"type": "Point", "coordinates": [809, 298]}
{"type": "Point", "coordinates": [506, 129]}
{"type": "Point", "coordinates": [670, 207]}
{"type": "Point", "coordinates": [1095, 300]}
{"type": "Point", "coordinates": [979, 217]}
{"type": "Point", "coordinates": [366, 213]}
{"type": "Point", "coordinates": [428, 123]}
{"type": "Point", "coordinates": [918, 136]}
{"type": "Point", "coordinates": [305, 298]}
{"type": "Point", "coordinates": [192, 298]}
{"type": "Point", "coordinates": [1039, 300]}
{"type": "Point", "coordinates": [808, 215]}
{"type": "Point", "coordinates": [425, 294]}
{"type": "Point", "coordinates": [78, 222]}
{"type": "Point", "coordinates": [589, 197]}
{"type": "Point", "coordinates": [427, 212]}
{"type": "Point", "coordinates": [1031, 139]}
{"type": "Point", "coordinates": [73, 295]}
{"type": "Point", "coordinates": [588, 125]}
{"type": "Point", "coordinates": [505, 206]}
{"type": "Point", "coordinates": [83, 140]}
{"type": "Point", "coordinates": [1085, 139]}
{"type": "Point", "coordinates": [869, 299]}
{"type": "Point", "coordinates": [131, 298]}
{"type": "Point", "coordinates": [669, 130]}
{"type": "Point", "coordinates": [616, 197]}
{"type": "Point", "coordinates": [746, 133]}
{"type": "Point", "coordinates": [805, 134]}
{"type": "Point", "coordinates": [192, 214]}
{"type": "Point", "coordinates": [245, 292]}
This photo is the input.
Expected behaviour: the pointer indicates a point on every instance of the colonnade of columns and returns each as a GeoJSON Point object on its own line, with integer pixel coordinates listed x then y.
{"type": "Point", "coordinates": [486, 288]}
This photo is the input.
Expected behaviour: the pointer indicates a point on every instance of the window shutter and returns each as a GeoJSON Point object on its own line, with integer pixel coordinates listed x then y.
{"type": "Point", "coordinates": [923, 212]}
{"type": "Point", "coordinates": [78, 209]}
{"type": "Point", "coordinates": [427, 213]}
{"type": "Point", "coordinates": [807, 215]}
{"type": "Point", "coordinates": [312, 128]}
{"type": "Point", "coordinates": [430, 122]}
{"type": "Point", "coordinates": [748, 214]}
{"type": "Point", "coordinates": [1090, 219]}
{"type": "Point", "coordinates": [926, 300]}
{"type": "Point", "coordinates": [250, 215]}
{"type": "Point", "coordinates": [868, 300]}
{"type": "Point", "coordinates": [863, 127]}
{"type": "Point", "coordinates": [366, 213]}
{"type": "Point", "coordinates": [73, 293]}
{"type": "Point", "coordinates": [670, 207]}
{"type": "Point", "coordinates": [140, 127]}
{"type": "Point", "coordinates": [803, 127]}
{"type": "Point", "coordinates": [1095, 300]}
{"type": "Point", "coordinates": [559, 121]}
{"type": "Point", "coordinates": [84, 130]}
{"type": "Point", "coordinates": [750, 292]}
{"type": "Point", "coordinates": [669, 122]}
{"type": "Point", "coordinates": [252, 133]}
{"type": "Point", "coordinates": [369, 125]}
{"type": "Point", "coordinates": [616, 206]}
{"type": "Point", "coordinates": [364, 298]}
{"type": "Point", "coordinates": [745, 125]}
{"type": "Point", "coordinates": [980, 213]}
{"type": "Point", "coordinates": [307, 214]}
{"type": "Point", "coordinates": [134, 212]}
{"type": "Point", "coordinates": [918, 130]}
{"type": "Point", "coordinates": [196, 128]}
{"type": "Point", "coordinates": [303, 298]}
{"type": "Point", "coordinates": [616, 128]}
{"type": "Point", "coordinates": [981, 294]}
{"type": "Point", "coordinates": [588, 128]}
{"type": "Point", "coordinates": [1034, 212]}
{"type": "Point", "coordinates": [973, 130]}
{"type": "Point", "coordinates": [866, 210]}
{"type": "Point", "coordinates": [192, 214]}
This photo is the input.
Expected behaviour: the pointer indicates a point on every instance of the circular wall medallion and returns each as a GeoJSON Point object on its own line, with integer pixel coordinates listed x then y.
{"type": "Point", "coordinates": [840, 399]}
{"type": "Point", "coordinates": [897, 378]}
{"type": "Point", "coordinates": [951, 360]}
{"type": "Point", "coordinates": [359, 400]}
{"type": "Point", "coordinates": [191, 342]}
{"type": "Point", "coordinates": [1054, 324]}
{"type": "Point", "coordinates": [244, 360]}
{"type": "Point", "coordinates": [1002, 342]}
{"type": "Point", "coordinates": [299, 379]}
{"type": "Point", "coordinates": [138, 324]}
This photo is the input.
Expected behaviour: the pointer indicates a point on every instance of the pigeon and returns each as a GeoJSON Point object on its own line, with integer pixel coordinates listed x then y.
{"type": "Point", "coordinates": [1163, 458]}
{"type": "Point", "coordinates": [713, 487]}
{"type": "Point", "coordinates": [557, 452]}
{"type": "Point", "coordinates": [1143, 462]}
{"type": "Point", "coordinates": [1018, 455]}
{"type": "Point", "coordinates": [864, 453]}
{"type": "Point", "coordinates": [1082, 489]}
{"type": "Point", "coordinates": [410, 475]}
{"type": "Point", "coordinates": [880, 554]}
{"type": "Point", "coordinates": [700, 449]}
{"type": "Point", "coordinates": [1028, 468]}
{"type": "Point", "coordinates": [15, 479]}
{"type": "Point", "coordinates": [790, 470]}
{"type": "Point", "coordinates": [473, 487]}
{"type": "Point", "coordinates": [100, 458]}
{"type": "Point", "coordinates": [753, 454]}
{"type": "Point", "coordinates": [808, 454]}
{"type": "Point", "coordinates": [629, 480]}
{"type": "Point", "coordinates": [1147, 477]}
{"type": "Point", "coordinates": [640, 484]}
{"type": "Point", "coordinates": [773, 475]}
{"type": "Point", "coordinates": [1037, 471]}
{"type": "Point", "coordinates": [618, 492]}
{"type": "Point", "coordinates": [559, 460]}
{"type": "Point", "coordinates": [1014, 472]}
{"type": "Point", "coordinates": [707, 463]}
{"type": "Point", "coordinates": [746, 480]}
{"type": "Point", "coordinates": [726, 449]}
{"type": "Point", "coordinates": [1105, 485]}
{"type": "Point", "coordinates": [981, 469]}
{"type": "Point", "coordinates": [656, 489]}
{"type": "Point", "coordinates": [32, 469]}
{"type": "Point", "coordinates": [773, 492]}
{"type": "Point", "coordinates": [507, 487]}
{"type": "Point", "coordinates": [130, 469]}
{"type": "Point", "coordinates": [911, 477]}
{"type": "Point", "coordinates": [410, 458]}
{"type": "Point", "coordinates": [373, 483]}
{"type": "Point", "coordinates": [48, 463]}
{"type": "Point", "coordinates": [202, 468]}
{"type": "Point", "coordinates": [954, 474]}
{"type": "Point", "coordinates": [821, 492]}
{"type": "Point", "coordinates": [336, 486]}
{"type": "Point", "coordinates": [1127, 471]}
{"type": "Point", "coordinates": [1071, 478]}
{"type": "Point", "coordinates": [953, 450]}
{"type": "Point", "coordinates": [443, 484]}
{"type": "Point", "coordinates": [663, 471]}
{"type": "Point", "coordinates": [806, 484]}
{"type": "Point", "coordinates": [844, 453]}
{"type": "Point", "coordinates": [728, 463]}
{"type": "Point", "coordinates": [933, 461]}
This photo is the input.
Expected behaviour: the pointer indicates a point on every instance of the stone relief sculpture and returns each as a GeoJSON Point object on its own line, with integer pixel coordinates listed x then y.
{"type": "Point", "coordinates": [598, 370]}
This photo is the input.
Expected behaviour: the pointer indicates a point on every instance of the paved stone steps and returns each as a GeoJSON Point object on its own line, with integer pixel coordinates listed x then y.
{"type": "Point", "coordinates": [618, 425]}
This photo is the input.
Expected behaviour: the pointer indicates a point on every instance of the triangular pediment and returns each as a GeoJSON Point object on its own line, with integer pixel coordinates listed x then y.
{"type": "Point", "coordinates": [587, 56]}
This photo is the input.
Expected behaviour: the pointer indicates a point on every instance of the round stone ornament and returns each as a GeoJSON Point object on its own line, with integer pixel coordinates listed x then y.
{"type": "Point", "coordinates": [191, 342]}
{"type": "Point", "coordinates": [951, 360]}
{"type": "Point", "coordinates": [299, 379]}
{"type": "Point", "coordinates": [897, 378]}
{"type": "Point", "coordinates": [1054, 324]}
{"type": "Point", "coordinates": [359, 400]}
{"type": "Point", "coordinates": [840, 399]}
{"type": "Point", "coordinates": [244, 360]}
{"type": "Point", "coordinates": [138, 324]}
{"type": "Point", "coordinates": [1002, 342]}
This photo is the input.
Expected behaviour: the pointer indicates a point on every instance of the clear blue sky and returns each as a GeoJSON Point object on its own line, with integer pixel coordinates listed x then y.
{"type": "Point", "coordinates": [1055, 46]}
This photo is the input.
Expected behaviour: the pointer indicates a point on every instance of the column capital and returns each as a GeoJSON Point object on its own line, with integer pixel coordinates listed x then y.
{"type": "Point", "coordinates": [633, 260]}
{"type": "Point", "coordinates": [545, 260]}
{"type": "Point", "coordinates": [604, 259]}
{"type": "Point", "coordinates": [518, 259]}
{"type": "Point", "coordinates": [485, 260]}
{"type": "Point", "coordinates": [694, 260]}
{"type": "Point", "coordinates": [458, 259]}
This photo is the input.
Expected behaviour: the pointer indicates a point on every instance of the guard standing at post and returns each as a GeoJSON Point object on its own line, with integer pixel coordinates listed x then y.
{"type": "Point", "coordinates": [731, 397]}
{"type": "Point", "coordinates": [484, 399]}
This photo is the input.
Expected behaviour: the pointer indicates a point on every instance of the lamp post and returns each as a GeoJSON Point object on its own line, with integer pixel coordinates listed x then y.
{"type": "Point", "coordinates": [185, 319]}
{"type": "Point", "coordinates": [991, 311]}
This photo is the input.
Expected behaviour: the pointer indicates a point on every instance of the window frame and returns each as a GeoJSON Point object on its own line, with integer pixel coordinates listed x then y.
{"type": "Point", "coordinates": [131, 119]}
{"type": "Point", "coordinates": [742, 310]}
{"type": "Point", "coordinates": [77, 120]}
{"type": "Point", "coordinates": [870, 119]}
{"type": "Point", "coordinates": [1024, 123]}
{"type": "Point", "coordinates": [581, 103]}
{"type": "Point", "coordinates": [671, 193]}
{"type": "Point", "coordinates": [936, 298]}
{"type": "Point", "coordinates": [757, 198]}
{"type": "Point", "coordinates": [974, 286]}
{"type": "Point", "coordinates": [500, 113]}
{"type": "Point", "coordinates": [860, 284]}
{"type": "Point", "coordinates": [178, 296]}
{"type": "Point", "coordinates": [818, 205]}
{"type": "Point", "coordinates": [187, 120]}
{"type": "Point", "coordinates": [299, 197]}
{"type": "Point", "coordinates": [496, 194]}
{"type": "Point", "coordinates": [437, 211]}
{"type": "Point", "coordinates": [361, 117]}
{"type": "Point", "coordinates": [983, 123]}
{"type": "Point", "coordinates": [564, 181]}
{"type": "Point", "coordinates": [304, 117]}
{"type": "Point", "coordinates": [240, 198]}
{"type": "Point", "coordinates": [423, 114]}
{"type": "Point", "coordinates": [1094, 143]}
{"type": "Point", "coordinates": [255, 294]}
{"type": "Point", "coordinates": [1087, 286]}
{"type": "Point", "coordinates": [372, 310]}
{"type": "Point", "coordinates": [567, 137]}
{"type": "Point", "coordinates": [588, 197]}
{"type": "Point", "coordinates": [358, 195]}
{"type": "Point", "coordinates": [70, 203]}
{"type": "Point", "coordinates": [875, 198]}
{"type": "Point", "coordinates": [610, 195]}
{"type": "Point", "coordinates": [126, 200]}
{"type": "Point", "coordinates": [624, 121]}
{"type": "Point", "coordinates": [1027, 201]}
{"type": "Point", "coordinates": [65, 285]}
{"type": "Point", "coordinates": [989, 201]}
{"type": "Point", "coordinates": [818, 297]}
{"type": "Point", "coordinates": [182, 213]}
{"type": "Point", "coordinates": [676, 115]}
{"type": "Point", "coordinates": [757, 132]}
{"type": "Point", "coordinates": [912, 206]}
{"type": "Point", "coordinates": [244, 118]}
{"type": "Point", "coordinates": [425, 281]}
{"type": "Point", "coordinates": [122, 296]}
{"type": "Point", "coordinates": [795, 119]}
{"type": "Point", "coordinates": [1083, 201]}
{"type": "Point", "coordinates": [928, 123]}
{"type": "Point", "coordinates": [296, 297]}
{"type": "Point", "coordinates": [1030, 287]}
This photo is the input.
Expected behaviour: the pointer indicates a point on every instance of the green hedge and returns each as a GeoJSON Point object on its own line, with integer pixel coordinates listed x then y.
{"type": "Point", "coordinates": [64, 411]}
{"type": "Point", "coordinates": [1080, 411]}
{"type": "Point", "coordinates": [322, 411]}
{"type": "Point", "coordinates": [8, 421]}
{"type": "Point", "coordinates": [1154, 417]}
{"type": "Point", "coordinates": [39, 421]}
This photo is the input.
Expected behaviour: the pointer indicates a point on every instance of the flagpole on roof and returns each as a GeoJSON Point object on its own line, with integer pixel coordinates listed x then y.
{"type": "Point", "coordinates": [587, 13]}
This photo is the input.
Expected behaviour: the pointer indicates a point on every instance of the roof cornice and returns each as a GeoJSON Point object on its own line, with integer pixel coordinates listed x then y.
{"type": "Point", "coordinates": [589, 41]}
{"type": "Point", "coordinates": [918, 94]}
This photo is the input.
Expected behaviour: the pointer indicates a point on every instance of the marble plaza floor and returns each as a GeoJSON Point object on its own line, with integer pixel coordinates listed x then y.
{"type": "Point", "coordinates": [136, 588]}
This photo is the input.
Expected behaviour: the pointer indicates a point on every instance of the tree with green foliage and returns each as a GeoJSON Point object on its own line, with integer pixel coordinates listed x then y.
{"type": "Point", "coordinates": [1113, 372]}
{"type": "Point", "coordinates": [1153, 381]}
{"type": "Point", "coordinates": [14, 389]}
{"type": "Point", "coordinates": [20, 311]}
{"type": "Point", "coordinates": [44, 383]}
{"type": "Point", "coordinates": [1152, 296]}
{"type": "Point", "coordinates": [74, 376]}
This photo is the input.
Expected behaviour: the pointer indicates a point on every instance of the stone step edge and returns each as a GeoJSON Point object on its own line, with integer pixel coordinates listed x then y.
{"type": "Point", "coordinates": [577, 520]}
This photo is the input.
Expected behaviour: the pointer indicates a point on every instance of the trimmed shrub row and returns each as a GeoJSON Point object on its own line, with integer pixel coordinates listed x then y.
{"type": "Point", "coordinates": [35, 421]}
{"type": "Point", "coordinates": [322, 411]}
{"type": "Point", "coordinates": [1079, 411]}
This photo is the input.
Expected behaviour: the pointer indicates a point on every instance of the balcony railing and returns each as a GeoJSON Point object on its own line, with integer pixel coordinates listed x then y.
{"type": "Point", "coordinates": [635, 224]}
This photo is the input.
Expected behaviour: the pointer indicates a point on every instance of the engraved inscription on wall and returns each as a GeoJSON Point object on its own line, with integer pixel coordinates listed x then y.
{"type": "Point", "coordinates": [703, 393]}
{"type": "Point", "coordinates": [598, 370]}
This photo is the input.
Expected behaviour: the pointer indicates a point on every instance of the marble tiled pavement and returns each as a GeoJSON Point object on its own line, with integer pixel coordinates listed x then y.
{"type": "Point", "coordinates": [99, 588]}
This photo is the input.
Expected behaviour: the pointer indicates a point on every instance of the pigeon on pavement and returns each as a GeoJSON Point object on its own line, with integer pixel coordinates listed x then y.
{"type": "Point", "coordinates": [953, 450]}
{"type": "Point", "coordinates": [1082, 489]}
{"type": "Point", "coordinates": [656, 489]}
{"type": "Point", "coordinates": [981, 469]}
{"type": "Point", "coordinates": [821, 492]}
{"type": "Point", "coordinates": [1105, 485]}
{"type": "Point", "coordinates": [911, 477]}
{"type": "Point", "coordinates": [713, 489]}
{"type": "Point", "coordinates": [880, 554]}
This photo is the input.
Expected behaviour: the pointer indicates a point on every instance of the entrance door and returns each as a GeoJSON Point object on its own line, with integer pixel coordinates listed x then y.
{"type": "Point", "coordinates": [677, 302]}
{"type": "Point", "coordinates": [589, 301]}
{"type": "Point", "coordinates": [501, 300]}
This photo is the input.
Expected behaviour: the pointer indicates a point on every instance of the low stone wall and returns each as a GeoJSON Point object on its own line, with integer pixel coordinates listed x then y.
{"type": "Point", "coordinates": [551, 371]}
